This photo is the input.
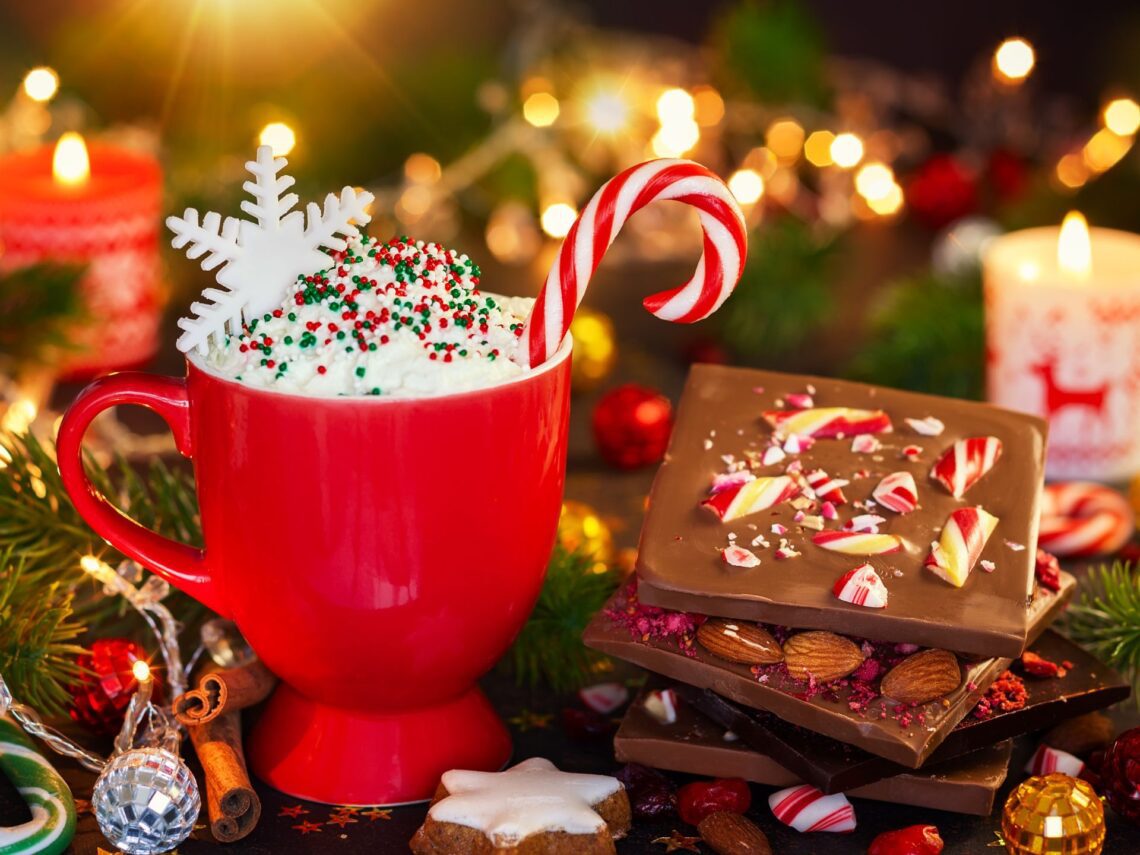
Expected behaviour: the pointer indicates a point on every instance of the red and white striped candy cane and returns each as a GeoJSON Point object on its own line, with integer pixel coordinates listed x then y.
{"type": "Point", "coordinates": [1079, 519]}
{"type": "Point", "coordinates": [718, 270]}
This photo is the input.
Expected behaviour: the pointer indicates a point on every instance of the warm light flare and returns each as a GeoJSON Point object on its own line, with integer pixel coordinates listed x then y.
{"type": "Point", "coordinates": [41, 84]}
{"type": "Point", "coordinates": [607, 112]}
{"type": "Point", "coordinates": [558, 218]}
{"type": "Point", "coordinates": [785, 138]}
{"type": "Point", "coordinates": [19, 416]}
{"type": "Point", "coordinates": [1122, 116]}
{"type": "Point", "coordinates": [541, 109]}
{"type": "Point", "coordinates": [1105, 150]}
{"type": "Point", "coordinates": [1074, 249]}
{"type": "Point", "coordinates": [747, 186]}
{"type": "Point", "coordinates": [675, 106]}
{"type": "Point", "coordinates": [1013, 60]}
{"type": "Point", "coordinates": [70, 164]}
{"type": "Point", "coordinates": [141, 670]}
{"type": "Point", "coordinates": [675, 138]}
{"type": "Point", "coordinates": [846, 150]}
{"type": "Point", "coordinates": [875, 181]}
{"type": "Point", "coordinates": [278, 136]}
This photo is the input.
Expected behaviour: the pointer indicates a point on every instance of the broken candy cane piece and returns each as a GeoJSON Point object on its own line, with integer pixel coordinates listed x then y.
{"type": "Point", "coordinates": [826, 487]}
{"type": "Point", "coordinates": [727, 480]}
{"type": "Point", "coordinates": [865, 443]}
{"type": "Point", "coordinates": [868, 523]}
{"type": "Point", "coordinates": [799, 401]}
{"type": "Point", "coordinates": [964, 463]}
{"type": "Point", "coordinates": [738, 556]}
{"type": "Point", "coordinates": [911, 452]}
{"type": "Point", "coordinates": [1046, 760]}
{"type": "Point", "coordinates": [750, 498]}
{"type": "Point", "coordinates": [928, 426]}
{"type": "Point", "coordinates": [964, 536]}
{"type": "Point", "coordinates": [897, 492]}
{"type": "Point", "coordinates": [604, 698]}
{"type": "Point", "coordinates": [805, 808]}
{"type": "Point", "coordinates": [857, 543]}
{"type": "Point", "coordinates": [662, 705]}
{"type": "Point", "coordinates": [828, 512]}
{"type": "Point", "coordinates": [828, 422]}
{"type": "Point", "coordinates": [773, 454]}
{"type": "Point", "coordinates": [862, 587]}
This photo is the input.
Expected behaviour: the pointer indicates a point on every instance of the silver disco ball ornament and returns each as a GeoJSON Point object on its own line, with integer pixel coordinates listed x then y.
{"type": "Point", "coordinates": [146, 801]}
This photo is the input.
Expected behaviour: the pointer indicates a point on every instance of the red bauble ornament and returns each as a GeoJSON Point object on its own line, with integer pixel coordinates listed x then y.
{"type": "Point", "coordinates": [632, 426]}
{"type": "Point", "coordinates": [1008, 174]}
{"type": "Point", "coordinates": [697, 800]}
{"type": "Point", "coordinates": [1120, 775]}
{"type": "Point", "coordinates": [100, 698]}
{"type": "Point", "coordinates": [912, 840]}
{"type": "Point", "coordinates": [941, 191]}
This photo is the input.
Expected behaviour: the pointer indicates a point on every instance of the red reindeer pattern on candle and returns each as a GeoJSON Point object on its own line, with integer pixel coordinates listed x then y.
{"type": "Point", "coordinates": [108, 222]}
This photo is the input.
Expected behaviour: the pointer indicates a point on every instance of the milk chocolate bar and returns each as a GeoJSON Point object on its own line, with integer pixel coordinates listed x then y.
{"type": "Point", "coordinates": [846, 710]}
{"type": "Point", "coordinates": [696, 745]}
{"type": "Point", "coordinates": [837, 767]}
{"type": "Point", "coordinates": [754, 458]}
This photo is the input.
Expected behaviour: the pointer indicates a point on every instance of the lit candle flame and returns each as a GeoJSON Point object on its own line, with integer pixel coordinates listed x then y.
{"type": "Point", "coordinates": [70, 165]}
{"type": "Point", "coordinates": [1074, 249]}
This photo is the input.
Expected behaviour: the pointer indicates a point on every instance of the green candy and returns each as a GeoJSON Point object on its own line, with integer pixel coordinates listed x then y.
{"type": "Point", "coordinates": [47, 795]}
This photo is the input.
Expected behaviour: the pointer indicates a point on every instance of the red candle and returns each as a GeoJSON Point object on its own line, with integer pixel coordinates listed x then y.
{"type": "Point", "coordinates": [104, 214]}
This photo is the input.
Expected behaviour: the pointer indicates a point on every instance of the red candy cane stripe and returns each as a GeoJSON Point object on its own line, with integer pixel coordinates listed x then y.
{"type": "Point", "coordinates": [1046, 760]}
{"type": "Point", "coordinates": [828, 422]}
{"type": "Point", "coordinates": [752, 497]}
{"type": "Point", "coordinates": [828, 489]}
{"type": "Point", "coordinates": [897, 492]}
{"type": "Point", "coordinates": [862, 587]}
{"type": "Point", "coordinates": [1079, 519]}
{"type": "Point", "coordinates": [857, 543]}
{"type": "Point", "coordinates": [964, 463]}
{"type": "Point", "coordinates": [718, 270]}
{"type": "Point", "coordinates": [953, 556]}
{"type": "Point", "coordinates": [805, 809]}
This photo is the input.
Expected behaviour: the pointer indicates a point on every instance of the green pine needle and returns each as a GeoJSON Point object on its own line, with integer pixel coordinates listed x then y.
{"type": "Point", "coordinates": [37, 304]}
{"type": "Point", "coordinates": [1106, 619]}
{"type": "Point", "coordinates": [549, 649]}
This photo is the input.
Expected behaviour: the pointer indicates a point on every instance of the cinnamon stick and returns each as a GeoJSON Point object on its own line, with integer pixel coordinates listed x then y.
{"type": "Point", "coordinates": [232, 805]}
{"type": "Point", "coordinates": [223, 691]}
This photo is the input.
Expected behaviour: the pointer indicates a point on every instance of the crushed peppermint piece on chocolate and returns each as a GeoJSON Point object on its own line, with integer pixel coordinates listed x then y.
{"type": "Point", "coordinates": [738, 556]}
{"type": "Point", "coordinates": [911, 451]}
{"type": "Point", "coordinates": [987, 565]}
{"type": "Point", "coordinates": [708, 444]}
{"type": "Point", "coordinates": [799, 401]}
{"type": "Point", "coordinates": [828, 511]}
{"type": "Point", "coordinates": [813, 522]}
{"type": "Point", "coordinates": [777, 529]}
{"type": "Point", "coordinates": [929, 426]}
{"type": "Point", "coordinates": [1016, 547]}
{"type": "Point", "coordinates": [865, 443]}
{"type": "Point", "coordinates": [772, 455]}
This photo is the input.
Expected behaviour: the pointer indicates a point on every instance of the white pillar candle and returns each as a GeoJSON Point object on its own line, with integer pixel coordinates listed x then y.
{"type": "Point", "coordinates": [1063, 341]}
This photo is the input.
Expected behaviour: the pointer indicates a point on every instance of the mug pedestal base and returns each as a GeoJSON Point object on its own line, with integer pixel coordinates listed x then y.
{"type": "Point", "coordinates": [335, 756]}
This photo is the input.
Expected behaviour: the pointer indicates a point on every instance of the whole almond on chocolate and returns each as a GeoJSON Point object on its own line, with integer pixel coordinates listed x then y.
{"type": "Point", "coordinates": [729, 833]}
{"type": "Point", "coordinates": [739, 641]}
{"type": "Point", "coordinates": [823, 655]}
{"type": "Point", "coordinates": [1082, 735]}
{"type": "Point", "coordinates": [922, 677]}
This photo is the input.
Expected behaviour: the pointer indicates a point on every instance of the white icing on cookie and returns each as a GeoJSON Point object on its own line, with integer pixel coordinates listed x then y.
{"type": "Point", "coordinates": [529, 798]}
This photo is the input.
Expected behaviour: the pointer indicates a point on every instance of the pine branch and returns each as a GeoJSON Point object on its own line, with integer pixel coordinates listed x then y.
{"type": "Point", "coordinates": [37, 635]}
{"type": "Point", "coordinates": [1106, 619]}
{"type": "Point", "coordinates": [549, 649]}
{"type": "Point", "coordinates": [37, 305]}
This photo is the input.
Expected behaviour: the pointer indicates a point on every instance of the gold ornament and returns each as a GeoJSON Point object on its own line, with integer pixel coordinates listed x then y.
{"type": "Point", "coordinates": [1053, 813]}
{"type": "Point", "coordinates": [595, 350]}
{"type": "Point", "coordinates": [580, 527]}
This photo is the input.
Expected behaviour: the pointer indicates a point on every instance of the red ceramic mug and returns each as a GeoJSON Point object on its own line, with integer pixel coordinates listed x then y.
{"type": "Point", "coordinates": [379, 555]}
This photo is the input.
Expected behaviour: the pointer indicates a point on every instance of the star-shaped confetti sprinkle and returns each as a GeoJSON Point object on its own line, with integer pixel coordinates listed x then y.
{"type": "Point", "coordinates": [529, 720]}
{"type": "Point", "coordinates": [374, 814]}
{"type": "Point", "coordinates": [677, 841]}
{"type": "Point", "coordinates": [293, 812]}
{"type": "Point", "coordinates": [82, 807]}
{"type": "Point", "coordinates": [340, 819]}
{"type": "Point", "coordinates": [308, 827]}
{"type": "Point", "coordinates": [347, 809]}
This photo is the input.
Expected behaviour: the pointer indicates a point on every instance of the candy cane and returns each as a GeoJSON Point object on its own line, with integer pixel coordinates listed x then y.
{"type": "Point", "coordinates": [48, 797]}
{"type": "Point", "coordinates": [1081, 519]}
{"type": "Point", "coordinates": [718, 270]}
{"type": "Point", "coordinates": [1046, 760]}
{"type": "Point", "coordinates": [805, 808]}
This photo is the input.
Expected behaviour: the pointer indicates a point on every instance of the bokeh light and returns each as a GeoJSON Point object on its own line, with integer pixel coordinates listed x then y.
{"type": "Point", "coordinates": [558, 218]}
{"type": "Point", "coordinates": [606, 111]}
{"type": "Point", "coordinates": [1122, 116]}
{"type": "Point", "coordinates": [675, 138]}
{"type": "Point", "coordinates": [746, 185]}
{"type": "Point", "coordinates": [846, 150]}
{"type": "Point", "coordinates": [41, 84]}
{"type": "Point", "coordinates": [786, 139]}
{"type": "Point", "coordinates": [675, 106]}
{"type": "Point", "coordinates": [278, 136]}
{"type": "Point", "coordinates": [541, 109]}
{"type": "Point", "coordinates": [874, 181]}
{"type": "Point", "coordinates": [817, 148]}
{"type": "Point", "coordinates": [1014, 60]}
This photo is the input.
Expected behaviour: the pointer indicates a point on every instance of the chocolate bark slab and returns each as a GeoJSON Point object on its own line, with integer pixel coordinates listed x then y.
{"type": "Point", "coordinates": [680, 563]}
{"type": "Point", "coordinates": [836, 767]}
{"type": "Point", "coordinates": [876, 727]}
{"type": "Point", "coordinates": [696, 745]}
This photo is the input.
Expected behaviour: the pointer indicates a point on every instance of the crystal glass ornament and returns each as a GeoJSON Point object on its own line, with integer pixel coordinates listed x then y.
{"type": "Point", "coordinates": [146, 801]}
{"type": "Point", "coordinates": [1053, 813]}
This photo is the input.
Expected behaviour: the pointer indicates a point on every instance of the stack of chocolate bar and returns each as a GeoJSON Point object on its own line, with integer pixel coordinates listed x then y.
{"type": "Point", "coordinates": [838, 584]}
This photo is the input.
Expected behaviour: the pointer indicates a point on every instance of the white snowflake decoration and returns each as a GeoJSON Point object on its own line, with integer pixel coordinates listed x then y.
{"type": "Point", "coordinates": [259, 260]}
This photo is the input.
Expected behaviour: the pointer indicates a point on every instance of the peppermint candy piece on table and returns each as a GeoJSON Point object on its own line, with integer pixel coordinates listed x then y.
{"type": "Point", "coordinates": [805, 809]}
{"type": "Point", "coordinates": [604, 698]}
{"type": "Point", "coordinates": [1081, 519]}
{"type": "Point", "coordinates": [965, 462]}
{"type": "Point", "coordinates": [897, 492]}
{"type": "Point", "coordinates": [827, 488]}
{"type": "Point", "coordinates": [964, 536]}
{"type": "Point", "coordinates": [857, 542]}
{"type": "Point", "coordinates": [751, 498]}
{"type": "Point", "coordinates": [717, 272]}
{"type": "Point", "coordinates": [862, 587]}
{"type": "Point", "coordinates": [828, 422]}
{"type": "Point", "coordinates": [1046, 760]}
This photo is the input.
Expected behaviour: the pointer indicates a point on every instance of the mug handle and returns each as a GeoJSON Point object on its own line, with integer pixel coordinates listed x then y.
{"type": "Point", "coordinates": [184, 566]}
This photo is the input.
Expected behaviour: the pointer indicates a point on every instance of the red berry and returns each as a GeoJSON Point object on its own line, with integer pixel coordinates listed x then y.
{"type": "Point", "coordinates": [697, 800]}
{"type": "Point", "coordinates": [912, 840]}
